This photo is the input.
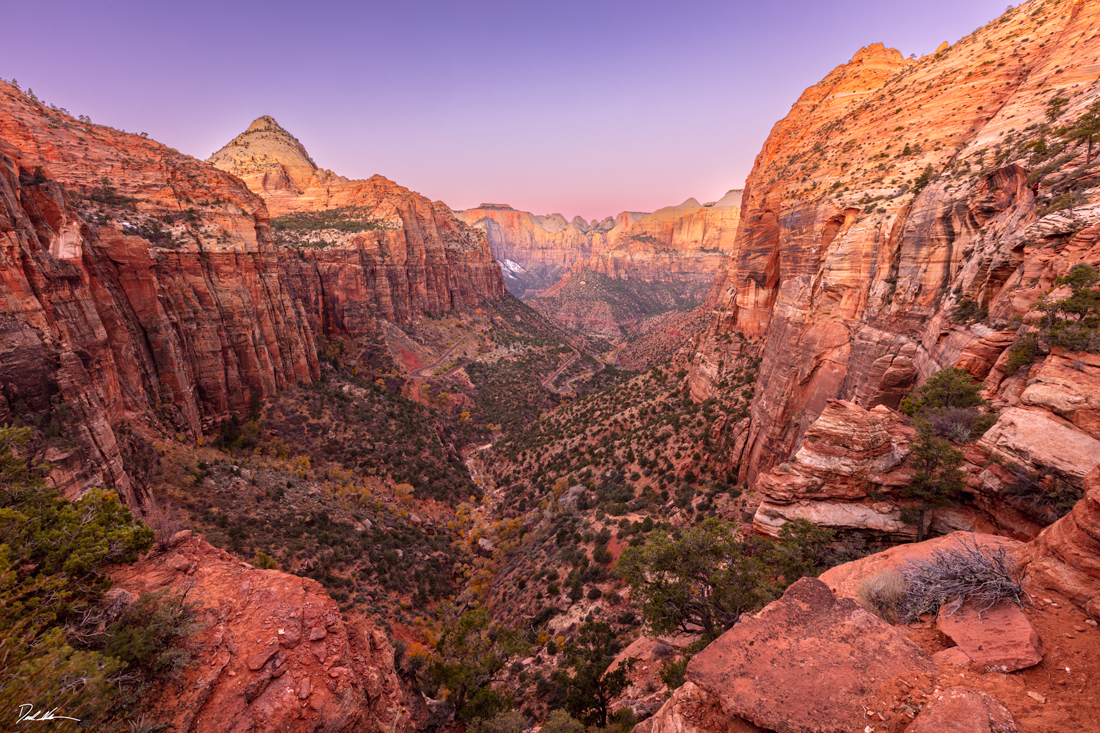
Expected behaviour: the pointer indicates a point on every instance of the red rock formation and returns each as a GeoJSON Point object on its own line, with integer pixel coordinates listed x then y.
{"type": "Point", "coordinates": [848, 455]}
{"type": "Point", "coordinates": [764, 670]}
{"type": "Point", "coordinates": [848, 276]}
{"type": "Point", "coordinates": [679, 246]}
{"type": "Point", "coordinates": [418, 259]}
{"type": "Point", "coordinates": [1000, 638]}
{"type": "Point", "coordinates": [274, 652]}
{"type": "Point", "coordinates": [1066, 557]}
{"type": "Point", "coordinates": [112, 326]}
{"type": "Point", "coordinates": [960, 710]}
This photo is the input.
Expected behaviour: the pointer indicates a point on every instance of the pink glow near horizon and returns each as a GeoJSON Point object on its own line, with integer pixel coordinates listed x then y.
{"type": "Point", "coordinates": [577, 108]}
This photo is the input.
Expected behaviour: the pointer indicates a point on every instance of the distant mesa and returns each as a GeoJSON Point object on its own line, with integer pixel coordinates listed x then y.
{"type": "Point", "coordinates": [496, 207]}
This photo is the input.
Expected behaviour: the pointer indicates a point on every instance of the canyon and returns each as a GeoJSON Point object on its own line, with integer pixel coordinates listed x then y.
{"type": "Point", "coordinates": [337, 383]}
{"type": "Point", "coordinates": [602, 277]}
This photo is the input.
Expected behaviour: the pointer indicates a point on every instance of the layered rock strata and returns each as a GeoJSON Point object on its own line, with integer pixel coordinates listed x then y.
{"type": "Point", "coordinates": [384, 251]}
{"type": "Point", "coordinates": [137, 282]}
{"type": "Point", "coordinates": [894, 191]}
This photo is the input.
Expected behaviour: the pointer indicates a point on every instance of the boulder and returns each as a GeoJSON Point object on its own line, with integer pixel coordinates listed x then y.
{"type": "Point", "coordinates": [253, 668]}
{"type": "Point", "coordinates": [766, 668]}
{"type": "Point", "coordinates": [692, 709]}
{"type": "Point", "coordinates": [1000, 638]}
{"type": "Point", "coordinates": [849, 456]}
{"type": "Point", "coordinates": [1035, 438]}
{"type": "Point", "coordinates": [961, 710]}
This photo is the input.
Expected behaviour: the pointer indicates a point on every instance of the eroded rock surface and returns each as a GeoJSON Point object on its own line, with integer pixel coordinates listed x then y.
{"type": "Point", "coordinates": [274, 654]}
{"type": "Point", "coordinates": [766, 668]}
{"type": "Point", "coordinates": [1066, 556]}
{"type": "Point", "coordinates": [1000, 637]}
{"type": "Point", "coordinates": [960, 710]}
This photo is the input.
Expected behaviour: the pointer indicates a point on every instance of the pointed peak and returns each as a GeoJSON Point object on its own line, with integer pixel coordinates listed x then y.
{"type": "Point", "coordinates": [267, 148]}
{"type": "Point", "coordinates": [266, 122]}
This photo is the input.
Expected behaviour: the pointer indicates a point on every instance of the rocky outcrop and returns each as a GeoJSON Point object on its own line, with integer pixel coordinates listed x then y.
{"type": "Point", "coordinates": [844, 580]}
{"type": "Point", "coordinates": [1000, 637]}
{"type": "Point", "coordinates": [961, 710]}
{"type": "Point", "coordinates": [1065, 558]}
{"type": "Point", "coordinates": [761, 669]}
{"type": "Point", "coordinates": [840, 475]}
{"type": "Point", "coordinates": [273, 652]}
{"type": "Point", "coordinates": [894, 191]}
{"type": "Point", "coordinates": [138, 285]}
{"type": "Point", "coordinates": [405, 257]}
{"type": "Point", "coordinates": [691, 709]}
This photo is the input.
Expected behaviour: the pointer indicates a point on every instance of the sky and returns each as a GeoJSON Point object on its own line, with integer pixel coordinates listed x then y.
{"type": "Point", "coordinates": [589, 108]}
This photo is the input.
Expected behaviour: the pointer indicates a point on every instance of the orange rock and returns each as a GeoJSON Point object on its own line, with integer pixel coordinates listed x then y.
{"type": "Point", "coordinates": [1000, 638]}
{"type": "Point", "coordinates": [1066, 557]}
{"type": "Point", "coordinates": [423, 260]}
{"type": "Point", "coordinates": [960, 710]}
{"type": "Point", "coordinates": [250, 673]}
{"type": "Point", "coordinates": [843, 272]}
{"type": "Point", "coordinates": [119, 325]}
{"type": "Point", "coordinates": [765, 669]}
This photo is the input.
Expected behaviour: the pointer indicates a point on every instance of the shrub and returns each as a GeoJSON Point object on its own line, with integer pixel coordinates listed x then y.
{"type": "Point", "coordinates": [884, 595]}
{"type": "Point", "coordinates": [506, 722]}
{"type": "Point", "coordinates": [559, 721]}
{"type": "Point", "coordinates": [964, 573]}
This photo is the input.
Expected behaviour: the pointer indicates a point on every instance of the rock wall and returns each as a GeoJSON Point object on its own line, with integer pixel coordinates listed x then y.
{"type": "Point", "coordinates": [420, 259]}
{"type": "Point", "coordinates": [105, 330]}
{"type": "Point", "coordinates": [893, 191]}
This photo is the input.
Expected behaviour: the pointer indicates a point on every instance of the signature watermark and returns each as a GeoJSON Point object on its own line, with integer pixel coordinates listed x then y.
{"type": "Point", "coordinates": [28, 715]}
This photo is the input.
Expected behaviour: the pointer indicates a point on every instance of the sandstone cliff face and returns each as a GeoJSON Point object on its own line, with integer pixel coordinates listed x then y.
{"type": "Point", "coordinates": [274, 652]}
{"type": "Point", "coordinates": [849, 273]}
{"type": "Point", "coordinates": [416, 257]}
{"type": "Point", "coordinates": [136, 282]}
{"type": "Point", "coordinates": [680, 246]}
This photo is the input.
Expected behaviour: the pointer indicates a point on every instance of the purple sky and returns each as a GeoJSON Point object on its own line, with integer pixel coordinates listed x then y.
{"type": "Point", "coordinates": [586, 108]}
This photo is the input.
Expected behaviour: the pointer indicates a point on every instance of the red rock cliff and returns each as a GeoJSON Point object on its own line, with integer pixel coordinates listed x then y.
{"type": "Point", "coordinates": [894, 190]}
{"type": "Point", "coordinates": [136, 282]}
{"type": "Point", "coordinates": [417, 258]}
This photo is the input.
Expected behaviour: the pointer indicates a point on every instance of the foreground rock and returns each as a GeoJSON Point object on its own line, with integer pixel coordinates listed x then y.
{"type": "Point", "coordinates": [691, 709]}
{"type": "Point", "coordinates": [274, 653]}
{"type": "Point", "coordinates": [769, 669]}
{"type": "Point", "coordinates": [960, 710]}
{"type": "Point", "coordinates": [1000, 638]}
{"type": "Point", "coordinates": [1065, 558]}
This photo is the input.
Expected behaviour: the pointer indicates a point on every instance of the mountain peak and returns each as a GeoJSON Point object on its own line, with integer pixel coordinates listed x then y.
{"type": "Point", "coordinates": [267, 150]}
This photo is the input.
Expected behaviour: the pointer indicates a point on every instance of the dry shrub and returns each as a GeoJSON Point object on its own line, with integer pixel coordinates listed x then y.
{"type": "Point", "coordinates": [884, 595]}
{"type": "Point", "coordinates": [164, 527]}
{"type": "Point", "coordinates": [958, 575]}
